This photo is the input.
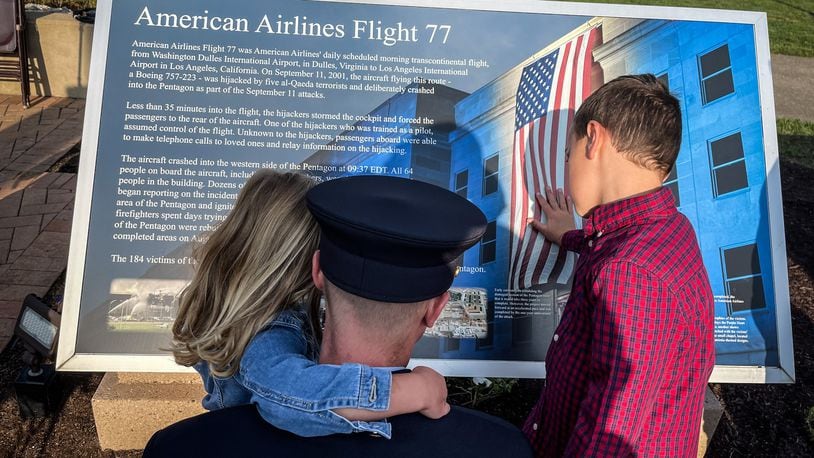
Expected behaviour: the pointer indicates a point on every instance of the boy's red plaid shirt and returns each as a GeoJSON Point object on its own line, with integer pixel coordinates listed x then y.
{"type": "Point", "coordinates": [629, 362]}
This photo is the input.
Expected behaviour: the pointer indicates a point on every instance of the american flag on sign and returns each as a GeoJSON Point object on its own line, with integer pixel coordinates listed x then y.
{"type": "Point", "coordinates": [551, 89]}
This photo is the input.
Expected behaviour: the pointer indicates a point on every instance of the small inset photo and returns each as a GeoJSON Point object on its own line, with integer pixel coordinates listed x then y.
{"type": "Point", "coordinates": [138, 304]}
{"type": "Point", "coordinates": [464, 316]}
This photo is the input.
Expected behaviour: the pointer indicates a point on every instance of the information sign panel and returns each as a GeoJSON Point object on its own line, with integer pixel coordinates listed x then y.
{"type": "Point", "coordinates": [187, 99]}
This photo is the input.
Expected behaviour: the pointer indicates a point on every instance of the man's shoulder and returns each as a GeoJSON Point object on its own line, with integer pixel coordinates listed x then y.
{"type": "Point", "coordinates": [459, 417]}
{"type": "Point", "coordinates": [208, 434]}
{"type": "Point", "coordinates": [241, 431]}
{"type": "Point", "coordinates": [462, 432]}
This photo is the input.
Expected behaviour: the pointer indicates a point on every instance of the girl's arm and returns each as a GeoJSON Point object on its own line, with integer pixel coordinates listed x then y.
{"type": "Point", "coordinates": [423, 390]}
{"type": "Point", "coordinates": [295, 393]}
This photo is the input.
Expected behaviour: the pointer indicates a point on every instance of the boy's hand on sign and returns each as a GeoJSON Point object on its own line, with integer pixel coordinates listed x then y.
{"type": "Point", "coordinates": [559, 215]}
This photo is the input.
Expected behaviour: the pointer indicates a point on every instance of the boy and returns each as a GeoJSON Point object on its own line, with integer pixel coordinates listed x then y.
{"type": "Point", "coordinates": [628, 364]}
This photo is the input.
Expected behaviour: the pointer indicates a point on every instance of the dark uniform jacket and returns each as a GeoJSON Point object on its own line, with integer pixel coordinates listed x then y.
{"type": "Point", "coordinates": [242, 432]}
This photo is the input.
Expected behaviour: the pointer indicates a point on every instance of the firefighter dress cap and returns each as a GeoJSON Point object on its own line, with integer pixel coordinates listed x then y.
{"type": "Point", "coordinates": [392, 239]}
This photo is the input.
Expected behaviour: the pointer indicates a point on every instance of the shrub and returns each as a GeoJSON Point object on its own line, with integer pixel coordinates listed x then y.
{"type": "Point", "coordinates": [74, 5]}
{"type": "Point", "coordinates": [470, 392]}
{"type": "Point", "coordinates": [810, 423]}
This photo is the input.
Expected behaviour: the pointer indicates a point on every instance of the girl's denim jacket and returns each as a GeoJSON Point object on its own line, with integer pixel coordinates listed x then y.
{"type": "Point", "coordinates": [279, 374]}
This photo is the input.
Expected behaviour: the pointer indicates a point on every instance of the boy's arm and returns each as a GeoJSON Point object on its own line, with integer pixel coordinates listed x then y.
{"type": "Point", "coordinates": [573, 240]}
{"type": "Point", "coordinates": [634, 327]}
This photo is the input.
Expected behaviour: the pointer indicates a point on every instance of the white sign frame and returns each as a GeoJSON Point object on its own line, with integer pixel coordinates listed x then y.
{"type": "Point", "coordinates": [69, 360]}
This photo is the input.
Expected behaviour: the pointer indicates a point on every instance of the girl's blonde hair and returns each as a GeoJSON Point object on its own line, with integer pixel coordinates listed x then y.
{"type": "Point", "coordinates": [255, 264]}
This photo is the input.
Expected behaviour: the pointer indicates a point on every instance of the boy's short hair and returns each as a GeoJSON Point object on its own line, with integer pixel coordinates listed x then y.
{"type": "Point", "coordinates": [642, 117]}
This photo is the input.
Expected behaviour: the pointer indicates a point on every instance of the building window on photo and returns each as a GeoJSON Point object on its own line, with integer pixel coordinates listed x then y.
{"type": "Point", "coordinates": [743, 279]}
{"type": "Point", "coordinates": [488, 244]}
{"type": "Point", "coordinates": [728, 164]}
{"type": "Point", "coordinates": [428, 163]}
{"type": "Point", "coordinates": [462, 183]}
{"type": "Point", "coordinates": [452, 344]}
{"type": "Point", "coordinates": [671, 182]}
{"type": "Point", "coordinates": [716, 74]}
{"type": "Point", "coordinates": [490, 174]}
{"type": "Point", "coordinates": [487, 342]}
{"type": "Point", "coordinates": [522, 329]}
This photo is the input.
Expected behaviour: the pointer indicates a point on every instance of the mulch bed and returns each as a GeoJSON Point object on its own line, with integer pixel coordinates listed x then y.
{"type": "Point", "coordinates": [770, 420]}
{"type": "Point", "coordinates": [759, 420]}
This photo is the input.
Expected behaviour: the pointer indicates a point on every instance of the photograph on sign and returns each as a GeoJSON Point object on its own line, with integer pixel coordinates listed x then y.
{"type": "Point", "coordinates": [187, 100]}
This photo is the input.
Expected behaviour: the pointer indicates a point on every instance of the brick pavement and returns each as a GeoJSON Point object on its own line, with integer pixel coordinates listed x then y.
{"type": "Point", "coordinates": [36, 205]}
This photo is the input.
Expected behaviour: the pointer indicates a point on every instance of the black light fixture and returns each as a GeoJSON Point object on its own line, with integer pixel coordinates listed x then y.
{"type": "Point", "coordinates": [37, 328]}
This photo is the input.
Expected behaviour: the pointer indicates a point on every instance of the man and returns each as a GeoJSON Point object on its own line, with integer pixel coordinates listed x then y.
{"type": "Point", "coordinates": [385, 264]}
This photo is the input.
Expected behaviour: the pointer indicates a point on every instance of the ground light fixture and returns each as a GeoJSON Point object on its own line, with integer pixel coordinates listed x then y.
{"type": "Point", "coordinates": [37, 328]}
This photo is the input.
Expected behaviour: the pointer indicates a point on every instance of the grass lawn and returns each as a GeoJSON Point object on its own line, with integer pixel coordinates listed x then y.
{"type": "Point", "coordinates": [796, 140]}
{"type": "Point", "coordinates": [791, 22]}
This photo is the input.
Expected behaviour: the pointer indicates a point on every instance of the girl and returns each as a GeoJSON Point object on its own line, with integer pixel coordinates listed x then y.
{"type": "Point", "coordinates": [248, 322]}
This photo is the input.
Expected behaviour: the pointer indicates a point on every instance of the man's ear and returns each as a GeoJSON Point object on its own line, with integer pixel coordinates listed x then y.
{"type": "Point", "coordinates": [316, 272]}
{"type": "Point", "coordinates": [435, 308]}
